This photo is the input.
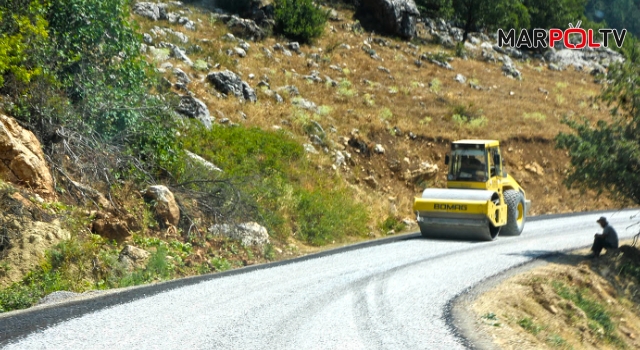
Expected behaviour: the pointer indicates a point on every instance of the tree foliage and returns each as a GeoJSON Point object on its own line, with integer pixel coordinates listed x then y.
{"type": "Point", "coordinates": [553, 13]}
{"type": "Point", "coordinates": [235, 6]}
{"type": "Point", "coordinates": [491, 14]}
{"type": "Point", "coordinates": [97, 60]}
{"type": "Point", "coordinates": [23, 31]}
{"type": "Point", "coordinates": [76, 65]}
{"type": "Point", "coordinates": [435, 8]}
{"type": "Point", "coordinates": [300, 20]}
{"type": "Point", "coordinates": [617, 14]}
{"type": "Point", "coordinates": [606, 156]}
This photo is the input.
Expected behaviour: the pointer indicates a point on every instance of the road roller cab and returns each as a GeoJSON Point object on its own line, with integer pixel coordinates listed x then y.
{"type": "Point", "coordinates": [481, 200]}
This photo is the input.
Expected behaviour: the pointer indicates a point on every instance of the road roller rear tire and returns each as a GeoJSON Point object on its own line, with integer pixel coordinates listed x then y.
{"type": "Point", "coordinates": [516, 215]}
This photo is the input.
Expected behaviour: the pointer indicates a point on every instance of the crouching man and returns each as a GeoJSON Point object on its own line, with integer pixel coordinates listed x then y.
{"type": "Point", "coordinates": [608, 239]}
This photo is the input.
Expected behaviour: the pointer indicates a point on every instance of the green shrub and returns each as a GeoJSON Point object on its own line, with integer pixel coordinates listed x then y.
{"type": "Point", "coordinates": [76, 64]}
{"type": "Point", "coordinates": [528, 325]}
{"type": "Point", "coordinates": [392, 223]}
{"type": "Point", "coordinates": [435, 85]}
{"type": "Point", "coordinates": [425, 121]}
{"type": "Point", "coordinates": [323, 217]}
{"type": "Point", "coordinates": [630, 269]}
{"type": "Point", "coordinates": [243, 152]}
{"type": "Point", "coordinates": [460, 50]}
{"type": "Point", "coordinates": [385, 114]}
{"type": "Point", "coordinates": [269, 252]}
{"type": "Point", "coordinates": [435, 8]}
{"type": "Point", "coordinates": [468, 117]}
{"type": "Point", "coordinates": [158, 267]}
{"type": "Point", "coordinates": [90, 262]}
{"type": "Point", "coordinates": [200, 65]}
{"type": "Point", "coordinates": [63, 268]}
{"type": "Point", "coordinates": [220, 264]}
{"type": "Point", "coordinates": [345, 88]}
{"type": "Point", "coordinates": [368, 100]}
{"type": "Point", "coordinates": [556, 340]}
{"type": "Point", "coordinates": [490, 316]}
{"type": "Point", "coordinates": [439, 56]}
{"type": "Point", "coordinates": [300, 20]}
{"type": "Point", "coordinates": [469, 122]}
{"type": "Point", "coordinates": [263, 164]}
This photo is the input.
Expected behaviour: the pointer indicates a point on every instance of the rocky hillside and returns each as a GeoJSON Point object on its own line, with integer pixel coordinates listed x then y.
{"type": "Point", "coordinates": [249, 147]}
{"type": "Point", "coordinates": [380, 111]}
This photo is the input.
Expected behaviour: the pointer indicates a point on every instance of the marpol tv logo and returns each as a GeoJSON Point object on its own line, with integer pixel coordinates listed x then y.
{"type": "Point", "coordinates": [542, 38]}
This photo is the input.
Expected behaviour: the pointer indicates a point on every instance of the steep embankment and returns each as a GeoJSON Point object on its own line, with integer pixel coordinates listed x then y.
{"type": "Point", "coordinates": [572, 303]}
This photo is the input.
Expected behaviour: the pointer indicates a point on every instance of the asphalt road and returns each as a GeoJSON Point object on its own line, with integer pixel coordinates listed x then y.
{"type": "Point", "coordinates": [390, 296]}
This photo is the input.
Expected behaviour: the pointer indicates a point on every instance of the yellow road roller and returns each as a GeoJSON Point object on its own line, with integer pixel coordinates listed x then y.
{"type": "Point", "coordinates": [481, 200]}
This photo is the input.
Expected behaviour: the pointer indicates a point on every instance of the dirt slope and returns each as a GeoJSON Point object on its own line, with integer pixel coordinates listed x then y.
{"type": "Point", "coordinates": [575, 303]}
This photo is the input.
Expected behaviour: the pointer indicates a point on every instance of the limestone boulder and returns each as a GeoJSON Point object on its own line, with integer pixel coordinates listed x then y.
{"type": "Point", "coordinates": [22, 160]}
{"type": "Point", "coordinates": [425, 172]}
{"type": "Point", "coordinates": [398, 17]}
{"type": "Point", "coordinates": [194, 108]}
{"type": "Point", "coordinates": [150, 10]}
{"type": "Point", "coordinates": [249, 233]}
{"type": "Point", "coordinates": [164, 203]}
{"type": "Point", "coordinates": [229, 83]}
{"type": "Point", "coordinates": [242, 27]}
{"type": "Point", "coordinates": [133, 257]}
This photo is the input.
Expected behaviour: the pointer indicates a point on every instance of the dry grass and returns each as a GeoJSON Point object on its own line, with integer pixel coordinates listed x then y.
{"type": "Point", "coordinates": [405, 92]}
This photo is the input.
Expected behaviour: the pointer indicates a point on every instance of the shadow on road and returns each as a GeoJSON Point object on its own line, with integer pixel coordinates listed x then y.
{"type": "Point", "coordinates": [449, 239]}
{"type": "Point", "coordinates": [554, 256]}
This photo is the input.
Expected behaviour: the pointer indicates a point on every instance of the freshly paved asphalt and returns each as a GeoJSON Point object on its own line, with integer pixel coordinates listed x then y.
{"type": "Point", "coordinates": [380, 296]}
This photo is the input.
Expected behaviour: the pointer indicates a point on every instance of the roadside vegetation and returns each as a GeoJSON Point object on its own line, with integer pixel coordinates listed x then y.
{"type": "Point", "coordinates": [606, 155]}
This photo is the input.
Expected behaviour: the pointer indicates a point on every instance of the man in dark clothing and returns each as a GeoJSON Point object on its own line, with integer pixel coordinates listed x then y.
{"type": "Point", "coordinates": [608, 239]}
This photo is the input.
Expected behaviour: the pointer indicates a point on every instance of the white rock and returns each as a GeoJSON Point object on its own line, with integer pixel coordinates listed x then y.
{"type": "Point", "coordinates": [409, 222]}
{"type": "Point", "coordinates": [249, 233]}
{"type": "Point", "coordinates": [190, 25]}
{"type": "Point", "coordinates": [146, 37]}
{"type": "Point", "coordinates": [240, 52]}
{"type": "Point", "coordinates": [309, 148]}
{"type": "Point", "coordinates": [304, 104]}
{"type": "Point", "coordinates": [207, 164]}
{"type": "Point", "coordinates": [245, 46]}
{"type": "Point", "coordinates": [294, 46]}
{"type": "Point", "coordinates": [340, 159]}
